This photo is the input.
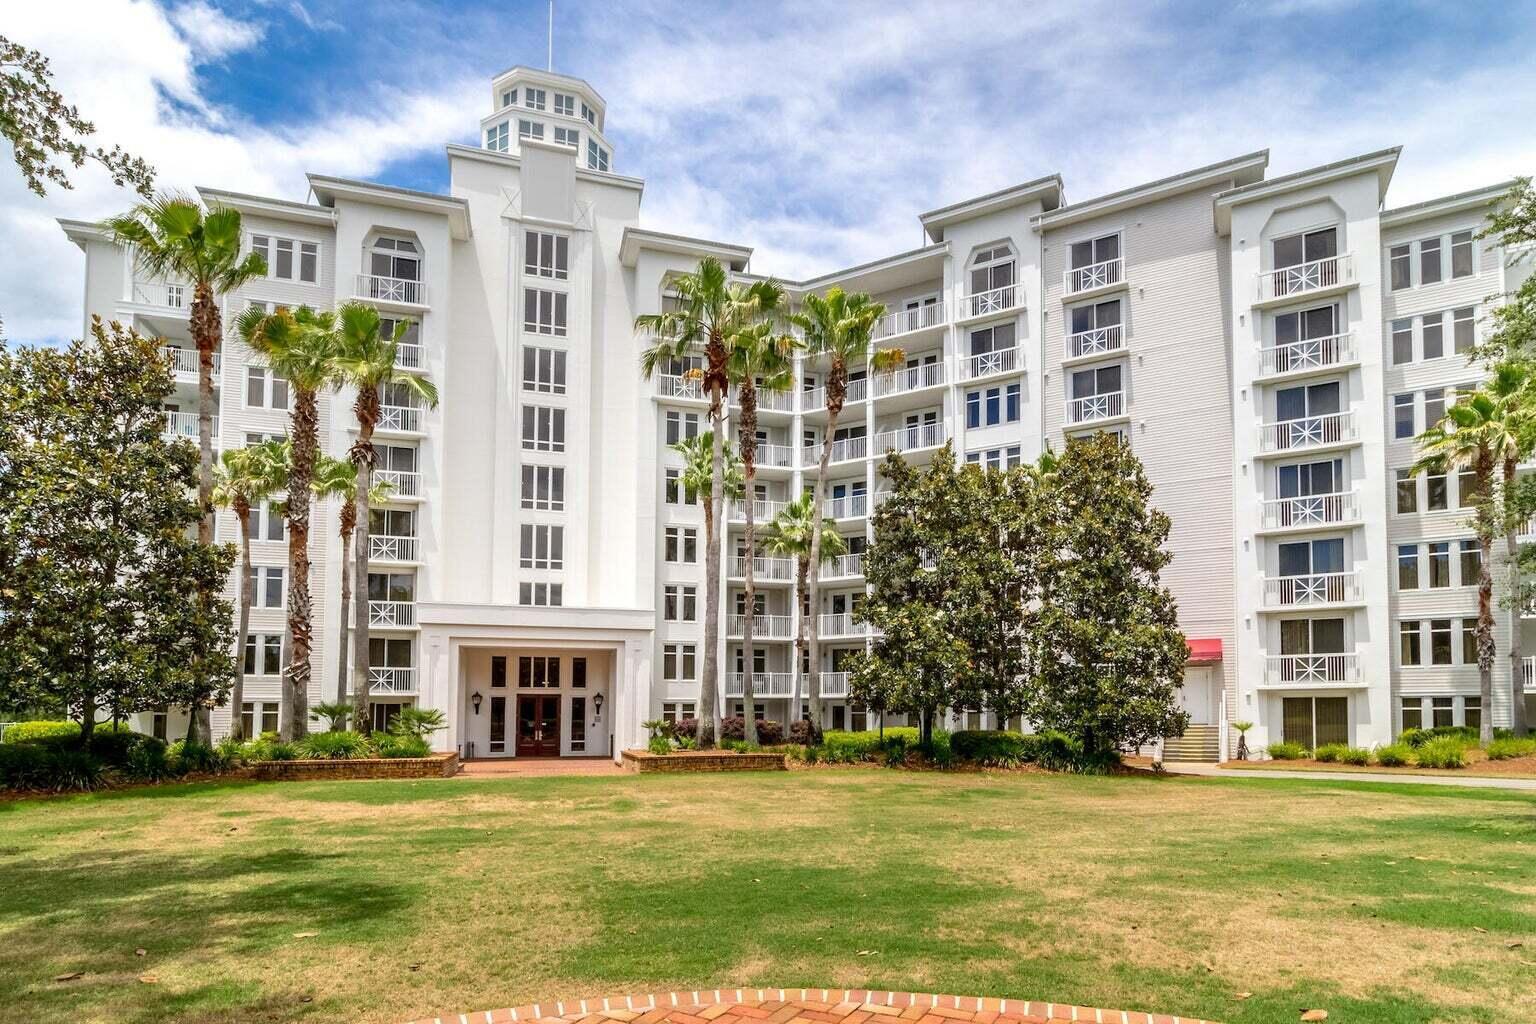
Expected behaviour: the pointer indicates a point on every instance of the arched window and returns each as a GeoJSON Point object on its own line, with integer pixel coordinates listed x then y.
{"type": "Point", "coordinates": [993, 267]}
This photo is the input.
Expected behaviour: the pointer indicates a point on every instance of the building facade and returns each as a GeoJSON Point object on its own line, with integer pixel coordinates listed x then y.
{"type": "Point", "coordinates": [1267, 346]}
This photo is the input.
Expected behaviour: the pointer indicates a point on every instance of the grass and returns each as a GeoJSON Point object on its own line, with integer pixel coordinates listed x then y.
{"type": "Point", "coordinates": [1382, 903]}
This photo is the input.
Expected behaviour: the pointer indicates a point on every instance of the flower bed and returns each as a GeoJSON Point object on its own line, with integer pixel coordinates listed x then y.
{"type": "Point", "coordinates": [704, 761]}
{"type": "Point", "coordinates": [437, 766]}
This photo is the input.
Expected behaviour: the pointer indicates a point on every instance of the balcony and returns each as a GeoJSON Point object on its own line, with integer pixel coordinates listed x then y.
{"type": "Point", "coordinates": [165, 295]}
{"type": "Point", "coordinates": [851, 507]}
{"type": "Point", "coordinates": [911, 439]}
{"type": "Point", "coordinates": [842, 451]}
{"type": "Point", "coordinates": [836, 624]}
{"type": "Point", "coordinates": [906, 321]}
{"type": "Point", "coordinates": [851, 564]}
{"type": "Point", "coordinates": [1309, 432]}
{"type": "Point", "coordinates": [909, 378]}
{"type": "Point", "coordinates": [989, 364]}
{"type": "Point", "coordinates": [1327, 588]}
{"type": "Point", "coordinates": [400, 419]}
{"type": "Point", "coordinates": [1096, 408]}
{"type": "Point", "coordinates": [764, 627]}
{"type": "Point", "coordinates": [833, 684]}
{"type": "Point", "coordinates": [762, 510]}
{"type": "Point", "coordinates": [1303, 671]}
{"type": "Point", "coordinates": [775, 456]}
{"type": "Point", "coordinates": [992, 301]}
{"type": "Point", "coordinates": [1100, 341]}
{"type": "Point", "coordinates": [391, 680]}
{"type": "Point", "coordinates": [184, 361]}
{"type": "Point", "coordinates": [183, 425]}
{"type": "Point", "coordinates": [1307, 355]}
{"type": "Point", "coordinates": [410, 357]}
{"type": "Point", "coordinates": [402, 484]}
{"type": "Point", "coordinates": [767, 401]}
{"type": "Point", "coordinates": [815, 400]}
{"type": "Point", "coordinates": [392, 614]}
{"type": "Point", "coordinates": [391, 549]}
{"type": "Point", "coordinates": [671, 385]}
{"type": "Point", "coordinates": [1311, 511]}
{"type": "Point", "coordinates": [397, 290]}
{"type": "Point", "coordinates": [764, 684]}
{"type": "Point", "coordinates": [764, 567]}
{"type": "Point", "coordinates": [1092, 278]}
{"type": "Point", "coordinates": [1306, 280]}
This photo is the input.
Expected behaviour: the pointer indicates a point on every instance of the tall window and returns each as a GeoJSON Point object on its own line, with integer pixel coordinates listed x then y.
{"type": "Point", "coordinates": [527, 129]}
{"type": "Point", "coordinates": [395, 257]}
{"type": "Point", "coordinates": [265, 389]}
{"type": "Point", "coordinates": [567, 136]}
{"type": "Point", "coordinates": [1094, 251]}
{"type": "Point", "coordinates": [533, 99]}
{"type": "Point", "coordinates": [544, 488]}
{"type": "Point", "coordinates": [543, 429]}
{"type": "Point", "coordinates": [496, 137]}
{"type": "Point", "coordinates": [1429, 261]}
{"type": "Point", "coordinates": [676, 493]}
{"type": "Point", "coordinates": [546, 254]}
{"type": "Point", "coordinates": [544, 312]}
{"type": "Point", "coordinates": [267, 586]}
{"type": "Point", "coordinates": [1407, 567]}
{"type": "Point", "coordinates": [1462, 329]}
{"type": "Point", "coordinates": [543, 546]}
{"type": "Point", "coordinates": [1307, 247]}
{"type": "Point", "coordinates": [987, 407]}
{"type": "Point", "coordinates": [288, 259]}
{"type": "Point", "coordinates": [258, 717]}
{"type": "Point", "coordinates": [681, 426]}
{"type": "Point", "coordinates": [565, 104]}
{"type": "Point", "coordinates": [1439, 564]}
{"type": "Point", "coordinates": [263, 654]}
{"type": "Point", "coordinates": [1400, 260]}
{"type": "Point", "coordinates": [1461, 254]}
{"type": "Point", "coordinates": [681, 544]}
{"type": "Point", "coordinates": [544, 371]}
{"type": "Point", "coordinates": [680, 603]}
{"type": "Point", "coordinates": [1410, 643]}
{"type": "Point", "coordinates": [267, 522]}
{"type": "Point", "coordinates": [597, 156]}
{"type": "Point", "coordinates": [992, 268]}
{"type": "Point", "coordinates": [678, 662]}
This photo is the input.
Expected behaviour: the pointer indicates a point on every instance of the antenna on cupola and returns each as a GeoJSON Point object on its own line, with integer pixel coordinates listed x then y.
{"type": "Point", "coordinates": [551, 64]}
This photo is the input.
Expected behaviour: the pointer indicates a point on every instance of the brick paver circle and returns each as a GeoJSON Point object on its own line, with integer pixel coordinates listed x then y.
{"type": "Point", "coordinates": [803, 1006]}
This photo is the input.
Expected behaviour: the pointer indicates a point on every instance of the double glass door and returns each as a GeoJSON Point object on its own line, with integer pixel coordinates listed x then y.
{"type": "Point", "coordinates": [538, 725]}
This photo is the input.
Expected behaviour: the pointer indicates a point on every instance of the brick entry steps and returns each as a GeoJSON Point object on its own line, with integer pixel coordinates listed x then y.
{"type": "Point", "coordinates": [803, 1006]}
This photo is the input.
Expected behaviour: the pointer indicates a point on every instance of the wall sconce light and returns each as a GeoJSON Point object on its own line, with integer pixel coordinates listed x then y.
{"type": "Point", "coordinates": [597, 706]}
{"type": "Point", "coordinates": [475, 699]}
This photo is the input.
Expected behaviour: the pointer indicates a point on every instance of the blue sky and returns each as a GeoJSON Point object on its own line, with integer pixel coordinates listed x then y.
{"type": "Point", "coordinates": [814, 132]}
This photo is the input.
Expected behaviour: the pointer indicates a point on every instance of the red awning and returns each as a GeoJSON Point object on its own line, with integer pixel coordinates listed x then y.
{"type": "Point", "coordinates": [1203, 652]}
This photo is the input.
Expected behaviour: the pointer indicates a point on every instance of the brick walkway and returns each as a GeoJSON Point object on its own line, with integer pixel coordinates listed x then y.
{"type": "Point", "coordinates": [504, 767]}
{"type": "Point", "coordinates": [803, 1006]}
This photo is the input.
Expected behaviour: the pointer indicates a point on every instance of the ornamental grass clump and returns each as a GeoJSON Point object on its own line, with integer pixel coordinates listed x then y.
{"type": "Point", "coordinates": [1443, 752]}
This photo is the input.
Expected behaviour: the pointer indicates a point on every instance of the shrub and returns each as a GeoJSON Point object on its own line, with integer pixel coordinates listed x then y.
{"type": "Point", "coordinates": [1395, 755]}
{"type": "Point", "coordinates": [844, 747]}
{"type": "Point", "coordinates": [800, 731]}
{"type": "Point", "coordinates": [75, 770]}
{"type": "Point", "coordinates": [336, 746]}
{"type": "Point", "coordinates": [147, 762]}
{"type": "Point", "coordinates": [740, 746]}
{"type": "Point", "coordinates": [267, 747]}
{"type": "Point", "coordinates": [735, 728]}
{"type": "Point", "coordinates": [1329, 753]}
{"type": "Point", "coordinates": [686, 728]}
{"type": "Point", "coordinates": [1418, 737]}
{"type": "Point", "coordinates": [418, 723]}
{"type": "Point", "coordinates": [992, 747]}
{"type": "Point", "coordinates": [659, 745]}
{"type": "Point", "coordinates": [1355, 756]}
{"type": "Point", "coordinates": [1505, 749]}
{"type": "Point", "coordinates": [1287, 751]}
{"type": "Point", "coordinates": [25, 766]}
{"type": "Point", "coordinates": [1443, 752]}
{"type": "Point", "coordinates": [196, 757]}
{"type": "Point", "coordinates": [404, 746]}
{"type": "Point", "coordinates": [31, 732]}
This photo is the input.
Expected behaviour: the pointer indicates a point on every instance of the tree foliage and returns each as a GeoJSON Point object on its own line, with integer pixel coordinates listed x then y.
{"type": "Point", "coordinates": [102, 607]}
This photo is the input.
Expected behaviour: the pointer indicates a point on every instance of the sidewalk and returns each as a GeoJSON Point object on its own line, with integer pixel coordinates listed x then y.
{"type": "Point", "coordinates": [1465, 781]}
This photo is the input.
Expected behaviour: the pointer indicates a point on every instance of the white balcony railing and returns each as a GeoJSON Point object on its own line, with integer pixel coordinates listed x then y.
{"type": "Point", "coordinates": [1094, 275]}
{"type": "Point", "coordinates": [816, 398]}
{"type": "Point", "coordinates": [1307, 354]}
{"type": "Point", "coordinates": [833, 684]}
{"type": "Point", "coordinates": [391, 680]}
{"type": "Point", "coordinates": [1308, 432]}
{"type": "Point", "coordinates": [410, 357]}
{"type": "Point", "coordinates": [1311, 669]}
{"type": "Point", "coordinates": [161, 293]}
{"type": "Point", "coordinates": [908, 439]}
{"type": "Point", "coordinates": [995, 300]}
{"type": "Point", "coordinates": [1096, 342]}
{"type": "Point", "coordinates": [1003, 360]}
{"type": "Point", "coordinates": [403, 418]}
{"type": "Point", "coordinates": [840, 624]}
{"type": "Point", "coordinates": [672, 385]}
{"type": "Point", "coordinates": [770, 627]}
{"type": "Point", "coordinates": [1300, 278]}
{"type": "Point", "coordinates": [851, 564]}
{"type": "Point", "coordinates": [391, 289]}
{"type": "Point", "coordinates": [184, 360]}
{"type": "Point", "coordinates": [779, 456]}
{"type": "Point", "coordinates": [847, 508]}
{"type": "Point", "coordinates": [909, 378]}
{"type": "Point", "coordinates": [905, 321]}
{"type": "Point", "coordinates": [391, 613]}
{"type": "Point", "coordinates": [402, 483]}
{"type": "Point", "coordinates": [772, 401]}
{"type": "Point", "coordinates": [764, 567]}
{"type": "Point", "coordinates": [1311, 589]}
{"type": "Point", "coordinates": [391, 549]}
{"type": "Point", "coordinates": [1311, 510]}
{"type": "Point", "coordinates": [1096, 407]}
{"type": "Point", "coordinates": [184, 425]}
{"type": "Point", "coordinates": [762, 509]}
{"type": "Point", "coordinates": [764, 684]}
{"type": "Point", "coordinates": [842, 451]}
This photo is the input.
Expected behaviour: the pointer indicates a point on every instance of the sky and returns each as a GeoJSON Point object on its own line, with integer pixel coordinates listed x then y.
{"type": "Point", "coordinates": [814, 132]}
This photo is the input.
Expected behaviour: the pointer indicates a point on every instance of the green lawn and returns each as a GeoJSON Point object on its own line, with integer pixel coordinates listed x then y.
{"type": "Point", "coordinates": [1380, 903]}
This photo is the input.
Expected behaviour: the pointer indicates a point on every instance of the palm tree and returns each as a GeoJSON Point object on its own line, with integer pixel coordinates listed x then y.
{"type": "Point", "coordinates": [698, 477]}
{"type": "Point", "coordinates": [172, 236]}
{"type": "Point", "coordinates": [839, 326]}
{"type": "Point", "coordinates": [709, 311]}
{"type": "Point", "coordinates": [1472, 437]}
{"type": "Point", "coordinates": [793, 534]}
{"type": "Point", "coordinates": [760, 357]}
{"type": "Point", "coordinates": [1513, 384]}
{"type": "Point", "coordinates": [366, 360]}
{"type": "Point", "coordinates": [245, 477]}
{"type": "Point", "coordinates": [337, 478]}
{"type": "Point", "coordinates": [300, 345]}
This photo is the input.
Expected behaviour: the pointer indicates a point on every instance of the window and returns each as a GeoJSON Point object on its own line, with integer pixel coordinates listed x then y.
{"type": "Point", "coordinates": [543, 429]}
{"type": "Point", "coordinates": [996, 458]}
{"type": "Point", "coordinates": [579, 673]}
{"type": "Point", "coordinates": [498, 671]}
{"type": "Point", "coordinates": [1096, 328]}
{"type": "Point", "coordinates": [997, 338]}
{"type": "Point", "coordinates": [265, 389]}
{"type": "Point", "coordinates": [543, 546]}
{"type": "Point", "coordinates": [546, 254]}
{"type": "Point", "coordinates": [550, 595]}
{"type": "Point", "coordinates": [677, 663]}
{"type": "Point", "coordinates": [530, 129]}
{"type": "Point", "coordinates": [1309, 247]}
{"type": "Point", "coordinates": [263, 654]}
{"type": "Point", "coordinates": [1410, 649]}
{"type": "Point", "coordinates": [1432, 333]}
{"type": "Point", "coordinates": [1439, 564]}
{"type": "Point", "coordinates": [1434, 406]}
{"type": "Point", "coordinates": [681, 544]}
{"type": "Point", "coordinates": [991, 406]}
{"type": "Point", "coordinates": [544, 312]}
{"type": "Point", "coordinates": [279, 256]}
{"type": "Point", "coordinates": [389, 325]}
{"type": "Point", "coordinates": [397, 587]}
{"type": "Point", "coordinates": [578, 725]}
{"type": "Point", "coordinates": [993, 268]}
{"type": "Point", "coordinates": [1095, 251]}
{"type": "Point", "coordinates": [1402, 416]}
{"type": "Point", "coordinates": [565, 104]}
{"type": "Point", "coordinates": [262, 713]}
{"type": "Point", "coordinates": [544, 488]}
{"type": "Point", "coordinates": [396, 258]}
{"type": "Point", "coordinates": [1472, 712]}
{"type": "Point", "coordinates": [1444, 711]}
{"type": "Point", "coordinates": [676, 493]}
{"type": "Point", "coordinates": [1401, 263]}
{"type": "Point", "coordinates": [1407, 567]}
{"type": "Point", "coordinates": [1413, 713]}
{"type": "Point", "coordinates": [679, 603]}
{"type": "Point", "coordinates": [1471, 559]}
{"type": "Point", "coordinates": [267, 586]}
{"type": "Point", "coordinates": [674, 711]}
{"type": "Point", "coordinates": [1466, 488]}
{"type": "Point", "coordinates": [509, 98]}
{"type": "Point", "coordinates": [533, 99]}
{"type": "Point", "coordinates": [1407, 492]}
{"type": "Point", "coordinates": [681, 426]}
{"type": "Point", "coordinates": [538, 672]}
{"type": "Point", "coordinates": [1461, 254]}
{"type": "Point", "coordinates": [589, 115]}
{"type": "Point", "coordinates": [1440, 641]}
{"type": "Point", "coordinates": [544, 371]}
{"type": "Point", "coordinates": [1436, 494]}
{"type": "Point", "coordinates": [1402, 341]}
{"type": "Point", "coordinates": [1462, 330]}
{"type": "Point", "coordinates": [1469, 641]}
{"type": "Point", "coordinates": [597, 156]}
{"type": "Point", "coordinates": [1314, 721]}
{"type": "Point", "coordinates": [1429, 261]}
{"type": "Point", "coordinates": [567, 136]}
{"type": "Point", "coordinates": [267, 523]}
{"type": "Point", "coordinates": [1096, 394]}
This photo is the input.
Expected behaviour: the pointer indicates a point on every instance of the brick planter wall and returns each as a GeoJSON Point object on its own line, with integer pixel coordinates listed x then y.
{"type": "Point", "coordinates": [702, 761]}
{"type": "Point", "coordinates": [438, 766]}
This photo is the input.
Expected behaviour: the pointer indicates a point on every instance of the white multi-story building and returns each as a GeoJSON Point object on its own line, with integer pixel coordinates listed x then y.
{"type": "Point", "coordinates": [1268, 347]}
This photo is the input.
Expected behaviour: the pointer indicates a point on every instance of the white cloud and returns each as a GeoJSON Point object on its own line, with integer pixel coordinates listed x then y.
{"type": "Point", "coordinates": [211, 33]}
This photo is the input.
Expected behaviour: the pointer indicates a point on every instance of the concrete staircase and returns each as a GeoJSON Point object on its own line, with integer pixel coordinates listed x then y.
{"type": "Point", "coordinates": [1199, 743]}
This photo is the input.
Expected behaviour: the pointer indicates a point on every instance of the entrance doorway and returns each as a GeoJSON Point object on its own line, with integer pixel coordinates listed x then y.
{"type": "Point", "coordinates": [1197, 696]}
{"type": "Point", "coordinates": [1315, 721]}
{"type": "Point", "coordinates": [538, 725]}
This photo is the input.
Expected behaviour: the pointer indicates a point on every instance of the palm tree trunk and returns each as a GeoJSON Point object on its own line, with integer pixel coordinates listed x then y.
{"type": "Point", "coordinates": [1516, 659]}
{"type": "Point", "coordinates": [300, 608]}
{"type": "Point", "coordinates": [802, 572]}
{"type": "Point", "coordinates": [814, 595]}
{"type": "Point", "coordinates": [714, 512]}
{"type": "Point", "coordinates": [203, 321]}
{"type": "Point", "coordinates": [363, 456]}
{"type": "Point", "coordinates": [748, 442]}
{"type": "Point", "coordinates": [1485, 643]}
{"type": "Point", "coordinates": [247, 592]}
{"type": "Point", "coordinates": [348, 524]}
